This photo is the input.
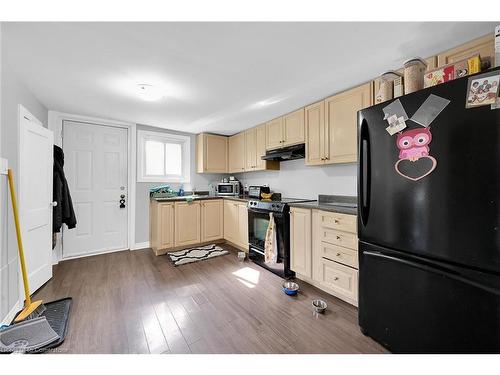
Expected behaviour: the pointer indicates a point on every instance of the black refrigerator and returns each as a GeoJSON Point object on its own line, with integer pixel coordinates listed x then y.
{"type": "Point", "coordinates": [429, 239]}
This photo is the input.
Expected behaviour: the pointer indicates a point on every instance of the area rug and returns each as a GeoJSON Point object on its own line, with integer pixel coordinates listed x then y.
{"type": "Point", "coordinates": [195, 254]}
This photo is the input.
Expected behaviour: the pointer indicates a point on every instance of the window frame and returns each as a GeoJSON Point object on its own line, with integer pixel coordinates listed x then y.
{"type": "Point", "coordinates": [183, 140]}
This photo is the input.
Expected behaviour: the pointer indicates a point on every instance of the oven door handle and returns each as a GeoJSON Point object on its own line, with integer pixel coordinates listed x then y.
{"type": "Point", "coordinates": [259, 211]}
{"type": "Point", "coordinates": [257, 251]}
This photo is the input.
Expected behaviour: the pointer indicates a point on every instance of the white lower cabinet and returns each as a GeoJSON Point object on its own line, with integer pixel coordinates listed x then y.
{"type": "Point", "coordinates": [324, 251]}
{"type": "Point", "coordinates": [236, 223]}
{"type": "Point", "coordinates": [300, 241]}
{"type": "Point", "coordinates": [176, 225]}
{"type": "Point", "coordinates": [187, 223]}
{"type": "Point", "coordinates": [343, 280]}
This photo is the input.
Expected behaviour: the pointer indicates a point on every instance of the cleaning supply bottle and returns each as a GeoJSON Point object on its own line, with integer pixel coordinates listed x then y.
{"type": "Point", "coordinates": [181, 191]}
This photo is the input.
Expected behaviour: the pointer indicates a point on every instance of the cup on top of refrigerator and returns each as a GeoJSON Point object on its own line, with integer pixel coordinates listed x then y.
{"type": "Point", "coordinates": [386, 87]}
{"type": "Point", "coordinates": [414, 71]}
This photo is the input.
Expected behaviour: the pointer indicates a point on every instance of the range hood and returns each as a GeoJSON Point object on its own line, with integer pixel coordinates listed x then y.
{"type": "Point", "coordinates": [286, 153]}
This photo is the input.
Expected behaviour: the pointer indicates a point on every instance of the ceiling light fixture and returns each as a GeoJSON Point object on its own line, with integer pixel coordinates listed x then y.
{"type": "Point", "coordinates": [269, 101]}
{"type": "Point", "coordinates": [150, 93]}
{"type": "Point", "coordinates": [264, 103]}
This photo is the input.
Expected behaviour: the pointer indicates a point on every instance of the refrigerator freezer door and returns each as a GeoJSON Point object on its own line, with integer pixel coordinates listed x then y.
{"type": "Point", "coordinates": [413, 307]}
{"type": "Point", "coordinates": [452, 214]}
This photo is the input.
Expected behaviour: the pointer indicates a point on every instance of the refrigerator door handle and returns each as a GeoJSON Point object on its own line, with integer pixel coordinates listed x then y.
{"type": "Point", "coordinates": [364, 171]}
{"type": "Point", "coordinates": [439, 271]}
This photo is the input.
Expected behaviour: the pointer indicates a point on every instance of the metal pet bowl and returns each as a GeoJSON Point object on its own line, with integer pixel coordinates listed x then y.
{"type": "Point", "coordinates": [319, 305]}
{"type": "Point", "coordinates": [290, 288]}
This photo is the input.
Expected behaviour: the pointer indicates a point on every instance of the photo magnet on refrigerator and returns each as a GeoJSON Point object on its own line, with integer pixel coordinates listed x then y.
{"type": "Point", "coordinates": [429, 110]}
{"type": "Point", "coordinates": [395, 108]}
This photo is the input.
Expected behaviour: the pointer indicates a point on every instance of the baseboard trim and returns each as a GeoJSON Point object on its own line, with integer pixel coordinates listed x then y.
{"type": "Point", "coordinates": [239, 247]}
{"type": "Point", "coordinates": [8, 319]}
{"type": "Point", "coordinates": [159, 252]}
{"type": "Point", "coordinates": [318, 285]}
{"type": "Point", "coordinates": [140, 246]}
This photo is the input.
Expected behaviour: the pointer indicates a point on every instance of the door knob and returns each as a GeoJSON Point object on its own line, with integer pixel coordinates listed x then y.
{"type": "Point", "coordinates": [53, 204]}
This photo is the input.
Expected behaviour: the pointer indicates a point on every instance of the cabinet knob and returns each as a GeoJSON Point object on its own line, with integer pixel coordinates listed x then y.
{"type": "Point", "coordinates": [336, 221]}
{"type": "Point", "coordinates": [339, 238]}
{"type": "Point", "coordinates": [338, 254]}
{"type": "Point", "coordinates": [335, 278]}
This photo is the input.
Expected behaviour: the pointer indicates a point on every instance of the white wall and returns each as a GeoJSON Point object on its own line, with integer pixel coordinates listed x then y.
{"type": "Point", "coordinates": [198, 182]}
{"type": "Point", "coordinates": [296, 180]}
{"type": "Point", "coordinates": [12, 94]}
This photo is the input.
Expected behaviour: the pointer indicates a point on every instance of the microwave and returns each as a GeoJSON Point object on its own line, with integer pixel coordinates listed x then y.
{"type": "Point", "coordinates": [228, 188]}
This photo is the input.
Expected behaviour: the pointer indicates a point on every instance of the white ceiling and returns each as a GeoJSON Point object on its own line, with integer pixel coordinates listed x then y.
{"type": "Point", "coordinates": [214, 73]}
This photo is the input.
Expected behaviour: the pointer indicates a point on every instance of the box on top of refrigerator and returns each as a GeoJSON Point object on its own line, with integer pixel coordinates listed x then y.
{"type": "Point", "coordinates": [497, 46]}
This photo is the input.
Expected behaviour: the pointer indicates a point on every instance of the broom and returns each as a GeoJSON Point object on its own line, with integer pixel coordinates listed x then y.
{"type": "Point", "coordinates": [31, 309]}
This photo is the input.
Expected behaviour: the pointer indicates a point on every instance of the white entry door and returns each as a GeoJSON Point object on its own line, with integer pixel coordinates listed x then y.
{"type": "Point", "coordinates": [35, 197]}
{"type": "Point", "coordinates": [96, 170]}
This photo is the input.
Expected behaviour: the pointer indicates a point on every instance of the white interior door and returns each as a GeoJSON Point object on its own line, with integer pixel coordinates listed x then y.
{"type": "Point", "coordinates": [35, 197]}
{"type": "Point", "coordinates": [96, 170]}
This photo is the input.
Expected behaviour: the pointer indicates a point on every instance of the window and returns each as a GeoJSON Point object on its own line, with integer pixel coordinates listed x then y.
{"type": "Point", "coordinates": [162, 157]}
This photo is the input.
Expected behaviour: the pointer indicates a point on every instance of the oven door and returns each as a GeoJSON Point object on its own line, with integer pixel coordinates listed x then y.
{"type": "Point", "coordinates": [258, 222]}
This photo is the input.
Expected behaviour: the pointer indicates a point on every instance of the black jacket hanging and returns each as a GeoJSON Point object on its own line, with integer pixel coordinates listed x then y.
{"type": "Point", "coordinates": [63, 211]}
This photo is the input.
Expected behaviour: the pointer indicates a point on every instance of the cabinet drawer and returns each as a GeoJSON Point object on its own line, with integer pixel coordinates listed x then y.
{"type": "Point", "coordinates": [335, 237]}
{"type": "Point", "coordinates": [347, 223]}
{"type": "Point", "coordinates": [340, 254]}
{"type": "Point", "coordinates": [339, 278]}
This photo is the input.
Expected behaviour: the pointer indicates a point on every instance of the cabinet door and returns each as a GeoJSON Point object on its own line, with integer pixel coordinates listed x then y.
{"type": "Point", "coordinates": [484, 46]}
{"type": "Point", "coordinates": [215, 154]}
{"type": "Point", "coordinates": [187, 223]}
{"type": "Point", "coordinates": [243, 226]}
{"type": "Point", "coordinates": [293, 128]}
{"type": "Point", "coordinates": [237, 153]}
{"type": "Point", "coordinates": [250, 149]}
{"type": "Point", "coordinates": [212, 220]}
{"type": "Point", "coordinates": [260, 147]}
{"type": "Point", "coordinates": [342, 122]}
{"type": "Point", "coordinates": [342, 280]}
{"type": "Point", "coordinates": [274, 133]}
{"type": "Point", "coordinates": [231, 221]}
{"type": "Point", "coordinates": [315, 133]}
{"type": "Point", "coordinates": [166, 221]}
{"type": "Point", "coordinates": [300, 241]}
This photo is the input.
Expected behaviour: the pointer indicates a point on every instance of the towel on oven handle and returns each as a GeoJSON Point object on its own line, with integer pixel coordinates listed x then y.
{"type": "Point", "coordinates": [271, 243]}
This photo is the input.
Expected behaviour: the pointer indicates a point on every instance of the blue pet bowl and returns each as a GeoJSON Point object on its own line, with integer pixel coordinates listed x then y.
{"type": "Point", "coordinates": [290, 288]}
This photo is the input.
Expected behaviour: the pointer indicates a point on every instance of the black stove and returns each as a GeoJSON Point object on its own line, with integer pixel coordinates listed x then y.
{"type": "Point", "coordinates": [258, 222]}
{"type": "Point", "coordinates": [274, 206]}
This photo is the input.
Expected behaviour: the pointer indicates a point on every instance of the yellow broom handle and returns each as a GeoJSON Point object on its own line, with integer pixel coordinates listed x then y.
{"type": "Point", "coordinates": [19, 239]}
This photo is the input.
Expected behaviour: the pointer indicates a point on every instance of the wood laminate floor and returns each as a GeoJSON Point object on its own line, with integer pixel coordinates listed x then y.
{"type": "Point", "coordinates": [135, 302]}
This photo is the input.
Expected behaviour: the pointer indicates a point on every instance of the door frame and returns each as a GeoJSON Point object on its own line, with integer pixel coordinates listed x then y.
{"type": "Point", "coordinates": [56, 120]}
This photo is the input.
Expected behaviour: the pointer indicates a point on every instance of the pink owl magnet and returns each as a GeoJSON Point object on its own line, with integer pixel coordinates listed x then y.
{"type": "Point", "coordinates": [414, 160]}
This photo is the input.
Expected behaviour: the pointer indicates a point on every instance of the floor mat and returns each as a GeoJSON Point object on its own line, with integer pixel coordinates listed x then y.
{"type": "Point", "coordinates": [27, 336]}
{"type": "Point", "coordinates": [196, 254]}
{"type": "Point", "coordinates": [57, 315]}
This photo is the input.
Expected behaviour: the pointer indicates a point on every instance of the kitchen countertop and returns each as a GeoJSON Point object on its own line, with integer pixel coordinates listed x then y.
{"type": "Point", "coordinates": [203, 197]}
{"type": "Point", "coordinates": [332, 203]}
